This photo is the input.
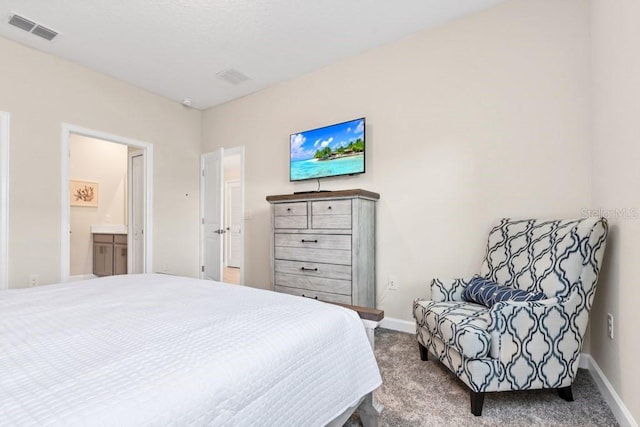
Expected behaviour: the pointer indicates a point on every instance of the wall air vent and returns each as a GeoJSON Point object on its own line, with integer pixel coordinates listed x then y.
{"type": "Point", "coordinates": [32, 27]}
{"type": "Point", "coordinates": [232, 76]}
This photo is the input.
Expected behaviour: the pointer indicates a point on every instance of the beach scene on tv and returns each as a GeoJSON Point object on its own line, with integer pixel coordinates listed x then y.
{"type": "Point", "coordinates": [332, 150]}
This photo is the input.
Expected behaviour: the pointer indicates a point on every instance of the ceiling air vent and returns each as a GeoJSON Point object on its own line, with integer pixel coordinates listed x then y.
{"type": "Point", "coordinates": [232, 76]}
{"type": "Point", "coordinates": [44, 32]}
{"type": "Point", "coordinates": [20, 22]}
{"type": "Point", "coordinates": [32, 27]}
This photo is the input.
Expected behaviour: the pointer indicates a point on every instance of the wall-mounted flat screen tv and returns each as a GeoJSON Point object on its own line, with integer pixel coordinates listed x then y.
{"type": "Point", "coordinates": [333, 150]}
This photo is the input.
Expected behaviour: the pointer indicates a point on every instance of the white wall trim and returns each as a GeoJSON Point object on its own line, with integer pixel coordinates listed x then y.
{"type": "Point", "coordinates": [65, 240]}
{"type": "Point", "coordinates": [583, 362]}
{"type": "Point", "coordinates": [4, 200]}
{"type": "Point", "coordinates": [616, 404]}
{"type": "Point", "coordinates": [398, 325]}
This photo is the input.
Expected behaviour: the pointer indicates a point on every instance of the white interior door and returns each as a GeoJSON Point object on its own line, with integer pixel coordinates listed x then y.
{"type": "Point", "coordinates": [234, 224]}
{"type": "Point", "coordinates": [212, 215]}
{"type": "Point", "coordinates": [136, 213]}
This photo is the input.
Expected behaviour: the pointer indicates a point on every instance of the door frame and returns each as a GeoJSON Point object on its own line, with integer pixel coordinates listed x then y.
{"type": "Point", "coordinates": [4, 200]}
{"type": "Point", "coordinates": [231, 152]}
{"type": "Point", "coordinates": [65, 226]}
{"type": "Point", "coordinates": [227, 208]}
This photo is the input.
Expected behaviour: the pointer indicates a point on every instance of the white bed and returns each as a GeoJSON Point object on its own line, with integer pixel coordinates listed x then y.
{"type": "Point", "coordinates": [162, 350]}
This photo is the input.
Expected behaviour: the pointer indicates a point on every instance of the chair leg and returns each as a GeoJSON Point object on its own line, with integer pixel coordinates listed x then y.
{"type": "Point", "coordinates": [424, 353]}
{"type": "Point", "coordinates": [477, 399]}
{"type": "Point", "coordinates": [565, 393]}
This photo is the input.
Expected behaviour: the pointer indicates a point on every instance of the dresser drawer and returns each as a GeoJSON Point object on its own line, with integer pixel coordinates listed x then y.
{"type": "Point", "coordinates": [290, 215]}
{"type": "Point", "coordinates": [314, 241]}
{"type": "Point", "coordinates": [313, 283]}
{"type": "Point", "coordinates": [322, 296]}
{"type": "Point", "coordinates": [331, 207]}
{"type": "Point", "coordinates": [328, 256]}
{"type": "Point", "coordinates": [288, 209]}
{"type": "Point", "coordinates": [331, 214]}
{"type": "Point", "coordinates": [330, 271]}
{"type": "Point", "coordinates": [299, 222]}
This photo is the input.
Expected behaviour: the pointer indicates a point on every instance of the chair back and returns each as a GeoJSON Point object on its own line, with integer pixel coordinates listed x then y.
{"type": "Point", "coordinates": [556, 257]}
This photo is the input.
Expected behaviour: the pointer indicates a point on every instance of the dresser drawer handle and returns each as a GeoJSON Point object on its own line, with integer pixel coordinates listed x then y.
{"type": "Point", "coordinates": [308, 269]}
{"type": "Point", "coordinates": [329, 208]}
{"type": "Point", "coordinates": [309, 241]}
{"type": "Point", "coordinates": [288, 209]}
{"type": "Point", "coordinates": [304, 296]}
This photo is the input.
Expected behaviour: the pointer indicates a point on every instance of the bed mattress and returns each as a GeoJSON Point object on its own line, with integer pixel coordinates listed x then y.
{"type": "Point", "coordinates": [147, 350]}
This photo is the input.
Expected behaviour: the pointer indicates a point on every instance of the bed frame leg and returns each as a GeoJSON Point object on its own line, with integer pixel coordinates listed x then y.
{"type": "Point", "coordinates": [370, 410]}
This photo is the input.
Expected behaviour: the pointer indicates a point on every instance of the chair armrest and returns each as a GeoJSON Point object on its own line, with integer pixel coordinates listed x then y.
{"type": "Point", "coordinates": [448, 289]}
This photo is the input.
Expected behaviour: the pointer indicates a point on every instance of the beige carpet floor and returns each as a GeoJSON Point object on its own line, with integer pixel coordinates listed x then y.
{"type": "Point", "coordinates": [417, 393]}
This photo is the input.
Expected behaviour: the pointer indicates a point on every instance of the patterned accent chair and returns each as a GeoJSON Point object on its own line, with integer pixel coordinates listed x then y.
{"type": "Point", "coordinates": [518, 345]}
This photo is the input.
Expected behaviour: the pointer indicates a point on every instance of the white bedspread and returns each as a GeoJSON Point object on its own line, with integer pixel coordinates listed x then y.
{"type": "Point", "coordinates": [161, 350]}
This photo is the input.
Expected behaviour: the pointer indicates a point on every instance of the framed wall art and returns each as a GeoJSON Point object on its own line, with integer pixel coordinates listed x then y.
{"type": "Point", "coordinates": [83, 193]}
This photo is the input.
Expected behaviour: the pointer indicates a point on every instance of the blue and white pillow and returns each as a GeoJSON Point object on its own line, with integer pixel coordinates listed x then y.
{"type": "Point", "coordinates": [487, 292]}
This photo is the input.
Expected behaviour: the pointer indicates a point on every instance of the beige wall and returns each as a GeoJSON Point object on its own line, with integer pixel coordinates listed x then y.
{"type": "Point", "coordinates": [483, 118]}
{"type": "Point", "coordinates": [493, 115]}
{"type": "Point", "coordinates": [616, 186]}
{"type": "Point", "coordinates": [105, 163]}
{"type": "Point", "coordinates": [41, 92]}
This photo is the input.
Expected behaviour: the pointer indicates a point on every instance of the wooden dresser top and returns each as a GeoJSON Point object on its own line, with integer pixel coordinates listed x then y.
{"type": "Point", "coordinates": [324, 195]}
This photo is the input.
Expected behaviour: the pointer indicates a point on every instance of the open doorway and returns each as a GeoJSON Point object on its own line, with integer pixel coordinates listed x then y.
{"type": "Point", "coordinates": [222, 211]}
{"type": "Point", "coordinates": [98, 169]}
{"type": "Point", "coordinates": [111, 233]}
{"type": "Point", "coordinates": [233, 218]}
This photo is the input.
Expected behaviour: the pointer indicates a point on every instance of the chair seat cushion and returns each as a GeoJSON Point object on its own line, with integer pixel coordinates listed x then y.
{"type": "Point", "coordinates": [487, 292]}
{"type": "Point", "coordinates": [458, 324]}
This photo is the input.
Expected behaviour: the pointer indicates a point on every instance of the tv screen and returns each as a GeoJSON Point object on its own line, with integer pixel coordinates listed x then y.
{"type": "Point", "coordinates": [328, 151]}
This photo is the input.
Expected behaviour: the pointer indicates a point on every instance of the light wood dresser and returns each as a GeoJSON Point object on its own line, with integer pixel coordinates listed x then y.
{"type": "Point", "coordinates": [323, 245]}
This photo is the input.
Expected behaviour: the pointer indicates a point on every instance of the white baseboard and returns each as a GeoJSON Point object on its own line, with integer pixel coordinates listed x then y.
{"type": "Point", "coordinates": [583, 362]}
{"type": "Point", "coordinates": [616, 404]}
{"type": "Point", "coordinates": [398, 325]}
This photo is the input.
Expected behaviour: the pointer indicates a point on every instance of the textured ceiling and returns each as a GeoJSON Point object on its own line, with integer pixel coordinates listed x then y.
{"type": "Point", "coordinates": [175, 48]}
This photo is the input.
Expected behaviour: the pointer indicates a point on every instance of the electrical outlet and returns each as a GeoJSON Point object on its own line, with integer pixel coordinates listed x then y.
{"type": "Point", "coordinates": [34, 280]}
{"type": "Point", "coordinates": [393, 284]}
{"type": "Point", "coordinates": [610, 325]}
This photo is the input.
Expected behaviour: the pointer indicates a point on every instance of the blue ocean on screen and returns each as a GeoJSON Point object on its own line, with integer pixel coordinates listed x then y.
{"type": "Point", "coordinates": [314, 168]}
{"type": "Point", "coordinates": [328, 151]}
